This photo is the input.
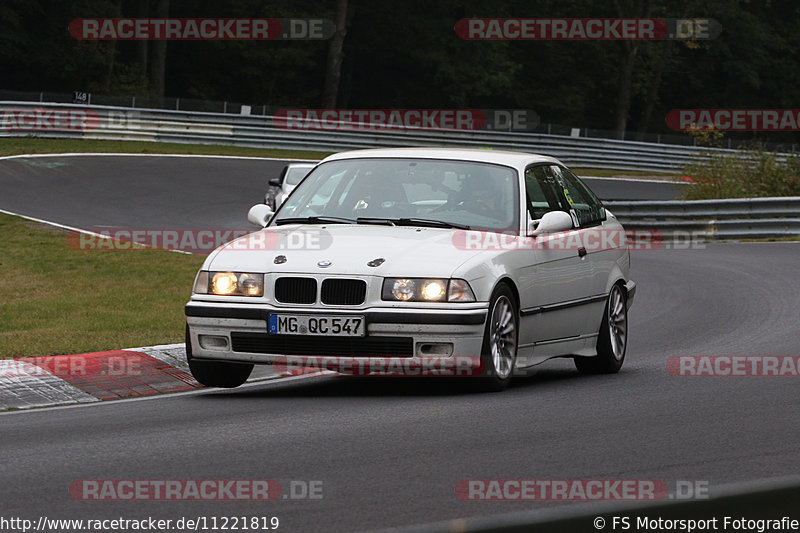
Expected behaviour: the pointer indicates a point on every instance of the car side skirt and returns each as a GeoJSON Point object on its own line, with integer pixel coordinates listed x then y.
{"type": "Point", "coordinates": [562, 305]}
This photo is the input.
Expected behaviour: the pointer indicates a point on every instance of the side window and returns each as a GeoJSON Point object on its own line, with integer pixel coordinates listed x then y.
{"type": "Point", "coordinates": [540, 191]}
{"type": "Point", "coordinates": [581, 202]}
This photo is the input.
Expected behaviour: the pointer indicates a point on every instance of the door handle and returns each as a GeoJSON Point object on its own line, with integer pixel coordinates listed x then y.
{"type": "Point", "coordinates": [581, 252]}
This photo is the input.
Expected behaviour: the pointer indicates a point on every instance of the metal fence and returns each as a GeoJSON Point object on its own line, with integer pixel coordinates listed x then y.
{"type": "Point", "coordinates": [713, 219]}
{"type": "Point", "coordinates": [160, 125]}
{"type": "Point", "coordinates": [213, 106]}
{"type": "Point", "coordinates": [734, 140]}
{"type": "Point", "coordinates": [736, 218]}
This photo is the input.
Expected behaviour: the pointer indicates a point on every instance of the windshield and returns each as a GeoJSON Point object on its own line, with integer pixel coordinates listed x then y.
{"type": "Point", "coordinates": [478, 195]}
{"type": "Point", "coordinates": [296, 174]}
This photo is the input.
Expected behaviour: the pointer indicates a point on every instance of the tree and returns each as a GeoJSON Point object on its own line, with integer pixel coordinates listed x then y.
{"type": "Point", "coordinates": [640, 9]}
{"type": "Point", "coordinates": [142, 11]}
{"type": "Point", "coordinates": [158, 55]}
{"type": "Point", "coordinates": [333, 71]}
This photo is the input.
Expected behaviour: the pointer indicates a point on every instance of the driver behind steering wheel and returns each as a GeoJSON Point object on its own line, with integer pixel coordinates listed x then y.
{"type": "Point", "coordinates": [477, 196]}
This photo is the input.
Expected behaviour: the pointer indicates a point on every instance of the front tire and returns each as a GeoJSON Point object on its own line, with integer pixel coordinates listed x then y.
{"type": "Point", "coordinates": [612, 340]}
{"type": "Point", "coordinates": [499, 350]}
{"type": "Point", "coordinates": [215, 373]}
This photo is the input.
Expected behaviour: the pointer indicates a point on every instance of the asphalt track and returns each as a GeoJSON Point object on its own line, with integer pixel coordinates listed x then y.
{"type": "Point", "coordinates": [136, 192]}
{"type": "Point", "coordinates": [159, 192]}
{"type": "Point", "coordinates": [390, 452]}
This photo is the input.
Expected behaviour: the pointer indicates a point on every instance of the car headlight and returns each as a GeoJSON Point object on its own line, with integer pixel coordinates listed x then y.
{"type": "Point", "coordinates": [426, 290]}
{"type": "Point", "coordinates": [229, 283]}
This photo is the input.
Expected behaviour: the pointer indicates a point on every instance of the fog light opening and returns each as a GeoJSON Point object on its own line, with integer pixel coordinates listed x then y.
{"type": "Point", "coordinates": [435, 348]}
{"type": "Point", "coordinates": [213, 342]}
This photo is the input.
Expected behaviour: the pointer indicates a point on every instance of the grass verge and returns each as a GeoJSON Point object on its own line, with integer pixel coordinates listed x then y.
{"type": "Point", "coordinates": [60, 300]}
{"type": "Point", "coordinates": [787, 238]}
{"type": "Point", "coordinates": [754, 173]}
{"type": "Point", "coordinates": [31, 145]}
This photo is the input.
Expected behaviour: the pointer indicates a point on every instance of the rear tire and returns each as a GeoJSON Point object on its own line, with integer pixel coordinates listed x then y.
{"type": "Point", "coordinates": [215, 373]}
{"type": "Point", "coordinates": [612, 339]}
{"type": "Point", "coordinates": [499, 350]}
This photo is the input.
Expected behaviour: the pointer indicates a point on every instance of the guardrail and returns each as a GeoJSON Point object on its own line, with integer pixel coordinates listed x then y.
{"type": "Point", "coordinates": [159, 125]}
{"type": "Point", "coordinates": [735, 218]}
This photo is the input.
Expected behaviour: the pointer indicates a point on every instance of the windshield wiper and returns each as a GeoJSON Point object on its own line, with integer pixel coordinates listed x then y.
{"type": "Point", "coordinates": [410, 222]}
{"type": "Point", "coordinates": [314, 220]}
{"type": "Point", "coordinates": [428, 222]}
{"type": "Point", "coordinates": [375, 220]}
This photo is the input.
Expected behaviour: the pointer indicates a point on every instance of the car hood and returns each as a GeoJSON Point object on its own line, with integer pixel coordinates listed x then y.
{"type": "Point", "coordinates": [406, 251]}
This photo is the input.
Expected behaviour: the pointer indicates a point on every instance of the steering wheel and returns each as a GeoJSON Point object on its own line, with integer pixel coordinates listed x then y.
{"type": "Point", "coordinates": [448, 205]}
{"type": "Point", "coordinates": [479, 208]}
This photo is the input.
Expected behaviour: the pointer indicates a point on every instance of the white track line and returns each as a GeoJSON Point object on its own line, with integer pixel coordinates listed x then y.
{"type": "Point", "coordinates": [56, 224]}
{"type": "Point", "coordinates": [71, 228]}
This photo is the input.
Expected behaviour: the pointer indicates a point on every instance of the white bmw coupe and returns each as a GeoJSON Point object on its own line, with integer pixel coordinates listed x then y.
{"type": "Point", "coordinates": [381, 261]}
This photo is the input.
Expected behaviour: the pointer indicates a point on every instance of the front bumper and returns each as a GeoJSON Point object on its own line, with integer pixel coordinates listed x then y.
{"type": "Point", "coordinates": [237, 332]}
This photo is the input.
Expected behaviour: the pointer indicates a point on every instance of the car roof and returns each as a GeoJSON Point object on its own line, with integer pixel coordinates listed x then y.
{"type": "Point", "coordinates": [500, 157]}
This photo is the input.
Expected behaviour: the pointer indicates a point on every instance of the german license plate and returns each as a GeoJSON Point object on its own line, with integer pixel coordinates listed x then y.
{"type": "Point", "coordinates": [342, 326]}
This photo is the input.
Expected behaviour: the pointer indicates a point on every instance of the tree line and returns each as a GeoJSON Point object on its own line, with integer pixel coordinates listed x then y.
{"type": "Point", "coordinates": [407, 55]}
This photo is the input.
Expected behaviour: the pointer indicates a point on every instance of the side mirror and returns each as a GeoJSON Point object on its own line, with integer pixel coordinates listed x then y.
{"type": "Point", "coordinates": [275, 182]}
{"type": "Point", "coordinates": [554, 222]}
{"type": "Point", "coordinates": [259, 215]}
